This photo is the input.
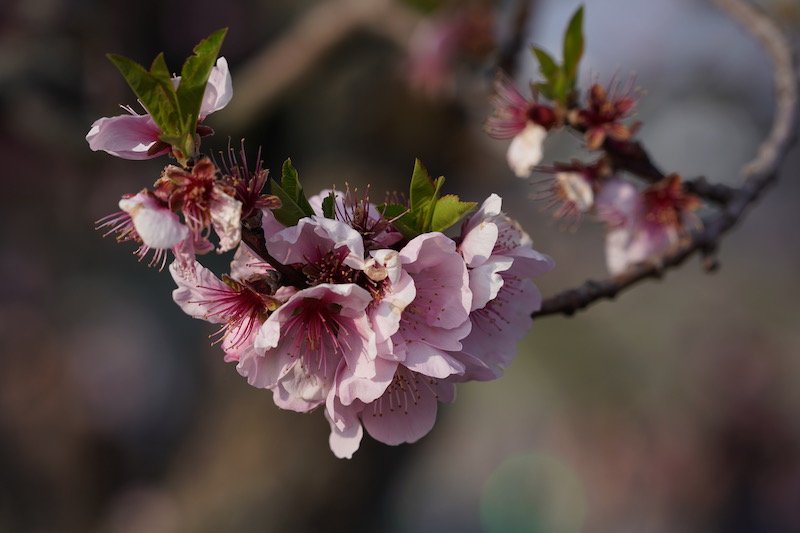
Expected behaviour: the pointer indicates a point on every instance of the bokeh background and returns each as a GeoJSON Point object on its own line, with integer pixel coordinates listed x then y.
{"type": "Point", "coordinates": [675, 408]}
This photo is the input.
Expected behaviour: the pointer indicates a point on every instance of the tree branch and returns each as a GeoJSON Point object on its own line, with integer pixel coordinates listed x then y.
{"type": "Point", "coordinates": [758, 174]}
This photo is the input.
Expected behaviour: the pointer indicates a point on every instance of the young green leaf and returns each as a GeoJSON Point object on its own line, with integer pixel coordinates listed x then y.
{"type": "Point", "coordinates": [448, 211]}
{"type": "Point", "coordinates": [329, 206]}
{"type": "Point", "coordinates": [422, 188]}
{"type": "Point", "coordinates": [294, 204]}
{"type": "Point", "coordinates": [573, 46]}
{"type": "Point", "coordinates": [194, 77]}
{"type": "Point", "coordinates": [547, 65]}
{"type": "Point", "coordinates": [156, 96]}
{"type": "Point", "coordinates": [422, 195]}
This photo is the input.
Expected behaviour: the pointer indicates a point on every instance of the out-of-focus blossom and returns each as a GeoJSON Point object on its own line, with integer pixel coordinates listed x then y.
{"type": "Point", "coordinates": [570, 193]}
{"type": "Point", "coordinates": [524, 121]}
{"type": "Point", "coordinates": [602, 116]}
{"type": "Point", "coordinates": [644, 225]}
{"type": "Point", "coordinates": [135, 136]}
{"type": "Point", "coordinates": [440, 43]}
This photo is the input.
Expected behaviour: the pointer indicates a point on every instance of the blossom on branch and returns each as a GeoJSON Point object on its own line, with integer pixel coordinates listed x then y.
{"type": "Point", "coordinates": [644, 225]}
{"type": "Point", "coordinates": [136, 136]}
{"type": "Point", "coordinates": [524, 121]}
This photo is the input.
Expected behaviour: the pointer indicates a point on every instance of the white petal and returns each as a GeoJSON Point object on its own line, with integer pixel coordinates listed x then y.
{"type": "Point", "coordinates": [226, 215]}
{"type": "Point", "coordinates": [158, 227]}
{"type": "Point", "coordinates": [525, 150]}
{"type": "Point", "coordinates": [219, 89]}
{"type": "Point", "coordinates": [576, 189]}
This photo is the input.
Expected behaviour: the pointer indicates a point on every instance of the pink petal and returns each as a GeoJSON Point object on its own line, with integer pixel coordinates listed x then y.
{"type": "Point", "coordinates": [431, 361]}
{"type": "Point", "coordinates": [346, 430]}
{"type": "Point", "coordinates": [246, 264]}
{"type": "Point", "coordinates": [219, 89]}
{"type": "Point", "coordinates": [197, 287]}
{"type": "Point", "coordinates": [485, 281]}
{"type": "Point", "coordinates": [125, 136]}
{"type": "Point", "coordinates": [407, 410]}
{"type": "Point", "coordinates": [350, 387]}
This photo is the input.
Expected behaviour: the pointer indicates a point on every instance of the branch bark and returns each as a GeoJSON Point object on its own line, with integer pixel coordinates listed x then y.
{"type": "Point", "coordinates": [758, 174]}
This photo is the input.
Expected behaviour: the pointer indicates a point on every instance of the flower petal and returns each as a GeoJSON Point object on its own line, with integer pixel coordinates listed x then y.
{"type": "Point", "coordinates": [219, 89]}
{"type": "Point", "coordinates": [157, 226]}
{"type": "Point", "coordinates": [525, 150]}
{"type": "Point", "coordinates": [125, 136]}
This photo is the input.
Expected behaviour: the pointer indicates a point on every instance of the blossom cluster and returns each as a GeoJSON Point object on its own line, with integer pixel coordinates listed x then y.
{"type": "Point", "coordinates": [642, 222]}
{"type": "Point", "coordinates": [370, 313]}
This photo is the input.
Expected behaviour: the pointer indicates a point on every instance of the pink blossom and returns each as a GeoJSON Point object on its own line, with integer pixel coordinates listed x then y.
{"type": "Point", "coordinates": [236, 302]}
{"type": "Point", "coordinates": [643, 225]}
{"type": "Point", "coordinates": [355, 210]}
{"type": "Point", "coordinates": [438, 317]}
{"type": "Point", "coordinates": [501, 260]}
{"type": "Point", "coordinates": [420, 314]}
{"type": "Point", "coordinates": [404, 413]}
{"type": "Point", "coordinates": [332, 251]}
{"type": "Point", "coordinates": [392, 290]}
{"type": "Point", "coordinates": [135, 136]}
{"type": "Point", "coordinates": [524, 121]}
{"type": "Point", "coordinates": [303, 345]}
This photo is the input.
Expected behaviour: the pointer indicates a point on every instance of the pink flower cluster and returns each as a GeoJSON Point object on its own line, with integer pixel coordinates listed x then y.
{"type": "Point", "coordinates": [337, 310]}
{"type": "Point", "coordinates": [380, 329]}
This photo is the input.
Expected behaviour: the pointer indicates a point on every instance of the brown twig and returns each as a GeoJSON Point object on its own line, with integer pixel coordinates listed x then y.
{"type": "Point", "coordinates": [758, 174]}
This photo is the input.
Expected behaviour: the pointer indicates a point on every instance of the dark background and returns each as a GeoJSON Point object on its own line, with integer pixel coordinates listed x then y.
{"type": "Point", "coordinates": [673, 409]}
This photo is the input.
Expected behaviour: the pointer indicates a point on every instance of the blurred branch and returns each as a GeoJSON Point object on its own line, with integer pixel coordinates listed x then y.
{"type": "Point", "coordinates": [276, 68]}
{"type": "Point", "coordinates": [507, 55]}
{"type": "Point", "coordinates": [758, 174]}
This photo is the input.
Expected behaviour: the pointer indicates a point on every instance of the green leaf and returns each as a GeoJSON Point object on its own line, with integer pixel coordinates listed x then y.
{"type": "Point", "coordinates": [329, 206]}
{"type": "Point", "coordinates": [547, 65]}
{"type": "Point", "coordinates": [401, 219]}
{"type": "Point", "coordinates": [573, 46]}
{"type": "Point", "coordinates": [422, 187]}
{"type": "Point", "coordinates": [423, 194]}
{"type": "Point", "coordinates": [448, 211]}
{"type": "Point", "coordinates": [156, 96]}
{"type": "Point", "coordinates": [194, 77]}
{"type": "Point", "coordinates": [294, 204]}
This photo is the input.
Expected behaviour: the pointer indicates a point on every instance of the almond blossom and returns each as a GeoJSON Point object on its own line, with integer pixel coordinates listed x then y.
{"type": "Point", "coordinates": [136, 136]}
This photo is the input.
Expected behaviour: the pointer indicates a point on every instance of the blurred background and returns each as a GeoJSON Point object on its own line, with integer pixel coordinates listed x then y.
{"type": "Point", "coordinates": [675, 408]}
